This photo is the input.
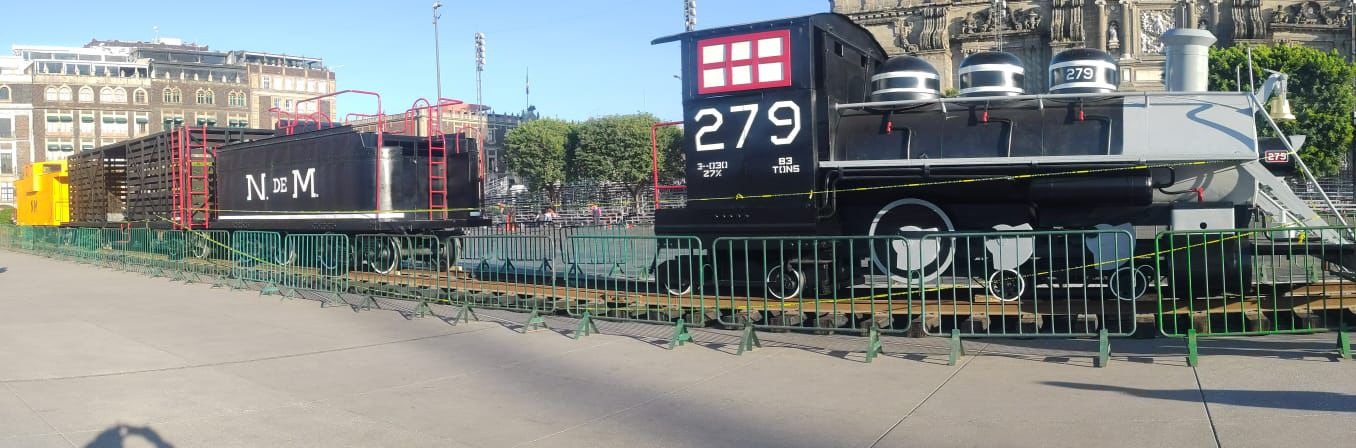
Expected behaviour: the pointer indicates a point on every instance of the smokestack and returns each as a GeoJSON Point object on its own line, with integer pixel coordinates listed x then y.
{"type": "Point", "coordinates": [1188, 66]}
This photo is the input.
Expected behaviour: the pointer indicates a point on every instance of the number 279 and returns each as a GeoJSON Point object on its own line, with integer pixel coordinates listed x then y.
{"type": "Point", "coordinates": [752, 112]}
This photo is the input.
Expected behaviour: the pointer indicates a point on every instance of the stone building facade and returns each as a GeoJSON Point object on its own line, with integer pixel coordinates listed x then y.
{"type": "Point", "coordinates": [944, 32]}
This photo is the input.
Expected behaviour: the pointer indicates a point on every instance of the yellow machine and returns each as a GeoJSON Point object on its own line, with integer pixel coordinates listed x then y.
{"type": "Point", "coordinates": [43, 195]}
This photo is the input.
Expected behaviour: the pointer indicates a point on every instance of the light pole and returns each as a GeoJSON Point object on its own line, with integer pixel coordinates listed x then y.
{"type": "Point", "coordinates": [437, 62]}
{"type": "Point", "coordinates": [690, 14]}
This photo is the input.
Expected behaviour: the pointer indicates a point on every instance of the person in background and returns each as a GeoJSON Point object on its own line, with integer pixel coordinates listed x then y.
{"type": "Point", "coordinates": [597, 213]}
{"type": "Point", "coordinates": [548, 214]}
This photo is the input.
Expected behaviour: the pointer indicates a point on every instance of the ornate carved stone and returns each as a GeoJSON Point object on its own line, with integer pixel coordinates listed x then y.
{"type": "Point", "coordinates": [903, 29]}
{"type": "Point", "coordinates": [1153, 23]}
{"type": "Point", "coordinates": [983, 21]}
{"type": "Point", "coordinates": [1113, 40]}
{"type": "Point", "coordinates": [1066, 20]}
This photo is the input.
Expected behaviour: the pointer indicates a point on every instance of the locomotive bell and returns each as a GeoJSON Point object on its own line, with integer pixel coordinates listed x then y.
{"type": "Point", "coordinates": [991, 73]}
{"type": "Point", "coordinates": [1084, 70]}
{"type": "Point", "coordinates": [1280, 105]}
{"type": "Point", "coordinates": [905, 78]}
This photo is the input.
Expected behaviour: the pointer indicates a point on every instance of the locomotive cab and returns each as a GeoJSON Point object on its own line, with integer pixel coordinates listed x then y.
{"type": "Point", "coordinates": [757, 102]}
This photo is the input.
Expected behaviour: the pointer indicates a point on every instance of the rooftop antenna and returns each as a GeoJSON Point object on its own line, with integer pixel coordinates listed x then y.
{"type": "Point", "coordinates": [1000, 15]}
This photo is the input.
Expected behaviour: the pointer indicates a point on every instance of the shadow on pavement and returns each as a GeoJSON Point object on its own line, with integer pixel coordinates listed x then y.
{"type": "Point", "coordinates": [1272, 399]}
{"type": "Point", "coordinates": [114, 437]}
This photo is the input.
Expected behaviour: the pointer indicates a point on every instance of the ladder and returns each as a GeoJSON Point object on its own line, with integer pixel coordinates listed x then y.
{"type": "Point", "coordinates": [191, 156]}
{"type": "Point", "coordinates": [176, 159]}
{"type": "Point", "coordinates": [437, 167]}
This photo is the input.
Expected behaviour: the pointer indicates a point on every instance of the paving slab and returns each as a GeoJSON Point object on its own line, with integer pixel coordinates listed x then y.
{"type": "Point", "coordinates": [1006, 400]}
{"type": "Point", "coordinates": [1273, 392]}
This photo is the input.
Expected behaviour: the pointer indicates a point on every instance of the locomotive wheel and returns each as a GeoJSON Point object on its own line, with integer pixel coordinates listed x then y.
{"type": "Point", "coordinates": [1007, 285]}
{"type": "Point", "coordinates": [671, 279]}
{"type": "Point", "coordinates": [915, 259]}
{"type": "Point", "coordinates": [200, 248]}
{"type": "Point", "coordinates": [383, 256]}
{"type": "Point", "coordinates": [448, 252]}
{"type": "Point", "coordinates": [1128, 283]}
{"type": "Point", "coordinates": [785, 282]}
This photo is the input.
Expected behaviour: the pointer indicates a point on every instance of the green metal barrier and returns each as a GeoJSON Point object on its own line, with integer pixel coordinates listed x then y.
{"type": "Point", "coordinates": [811, 283]}
{"type": "Point", "coordinates": [110, 252]}
{"type": "Point", "coordinates": [638, 279]}
{"type": "Point", "coordinates": [206, 256]}
{"type": "Point", "coordinates": [87, 243]}
{"type": "Point", "coordinates": [403, 267]}
{"type": "Point", "coordinates": [1029, 284]}
{"type": "Point", "coordinates": [315, 266]}
{"type": "Point", "coordinates": [1256, 282]}
{"type": "Point", "coordinates": [257, 259]}
{"type": "Point", "coordinates": [509, 272]}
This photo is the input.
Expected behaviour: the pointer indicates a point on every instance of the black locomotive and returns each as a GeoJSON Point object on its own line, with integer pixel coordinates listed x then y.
{"type": "Point", "coordinates": [804, 126]}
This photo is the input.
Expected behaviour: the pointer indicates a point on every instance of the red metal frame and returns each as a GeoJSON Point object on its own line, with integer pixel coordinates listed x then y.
{"type": "Point", "coordinates": [184, 156]}
{"type": "Point", "coordinates": [654, 159]}
{"type": "Point", "coordinates": [437, 153]}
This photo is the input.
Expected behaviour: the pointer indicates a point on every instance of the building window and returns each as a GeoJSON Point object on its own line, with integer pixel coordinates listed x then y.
{"type": "Point", "coordinates": [7, 193]}
{"type": "Point", "coordinates": [86, 144]}
{"type": "Point", "coordinates": [114, 124]}
{"type": "Point", "coordinates": [60, 122]}
{"type": "Point", "coordinates": [173, 95]}
{"type": "Point", "coordinates": [86, 94]}
{"type": "Point", "coordinates": [113, 95]}
{"type": "Point", "coordinates": [171, 119]}
{"type": "Point", "coordinates": [106, 95]}
{"type": "Point", "coordinates": [206, 120]}
{"type": "Point", "coordinates": [64, 93]}
{"type": "Point", "coordinates": [142, 122]}
{"type": "Point", "coordinates": [265, 82]}
{"type": "Point", "coordinates": [6, 127]}
{"type": "Point", "coordinates": [59, 148]}
{"type": "Point", "coordinates": [236, 99]}
{"type": "Point", "coordinates": [50, 94]}
{"type": "Point", "coordinates": [7, 160]}
{"type": "Point", "coordinates": [237, 121]}
{"type": "Point", "coordinates": [139, 96]}
{"type": "Point", "coordinates": [205, 96]}
{"type": "Point", "coordinates": [86, 123]}
{"type": "Point", "coordinates": [4, 93]}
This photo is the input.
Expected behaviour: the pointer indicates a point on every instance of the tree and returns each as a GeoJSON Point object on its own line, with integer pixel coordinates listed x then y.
{"type": "Point", "coordinates": [1321, 94]}
{"type": "Point", "coordinates": [617, 149]}
{"type": "Point", "coordinates": [535, 151]}
{"type": "Point", "coordinates": [672, 163]}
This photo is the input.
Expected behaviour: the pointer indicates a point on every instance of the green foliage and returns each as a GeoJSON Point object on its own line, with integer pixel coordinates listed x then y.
{"type": "Point", "coordinates": [6, 216]}
{"type": "Point", "coordinates": [536, 151]}
{"type": "Point", "coordinates": [1321, 95]}
{"type": "Point", "coordinates": [614, 149]}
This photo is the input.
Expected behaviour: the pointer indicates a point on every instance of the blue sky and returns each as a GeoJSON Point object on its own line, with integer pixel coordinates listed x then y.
{"type": "Point", "coordinates": [587, 57]}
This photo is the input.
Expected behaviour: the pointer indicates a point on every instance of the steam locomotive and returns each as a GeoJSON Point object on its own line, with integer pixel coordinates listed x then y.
{"type": "Point", "coordinates": [804, 126]}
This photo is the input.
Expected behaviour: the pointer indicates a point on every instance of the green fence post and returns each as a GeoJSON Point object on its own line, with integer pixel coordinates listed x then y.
{"type": "Point", "coordinates": [680, 334]}
{"type": "Point", "coordinates": [873, 346]}
{"type": "Point", "coordinates": [1103, 348]}
{"type": "Point", "coordinates": [1344, 342]}
{"type": "Point", "coordinates": [586, 325]}
{"type": "Point", "coordinates": [535, 322]}
{"type": "Point", "coordinates": [957, 349]}
{"type": "Point", "coordinates": [749, 340]}
{"type": "Point", "coordinates": [466, 314]}
{"type": "Point", "coordinates": [1191, 347]}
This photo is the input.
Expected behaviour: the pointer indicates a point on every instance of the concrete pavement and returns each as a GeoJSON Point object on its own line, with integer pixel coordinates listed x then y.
{"type": "Point", "coordinates": [95, 357]}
